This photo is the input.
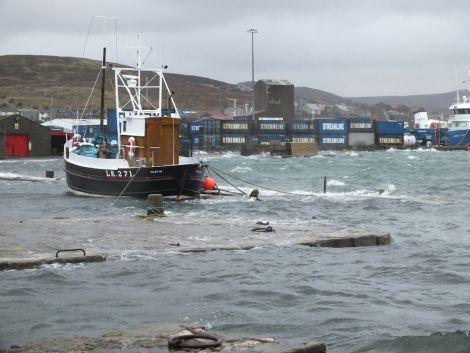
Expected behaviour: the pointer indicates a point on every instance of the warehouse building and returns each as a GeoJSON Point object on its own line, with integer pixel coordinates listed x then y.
{"type": "Point", "coordinates": [22, 137]}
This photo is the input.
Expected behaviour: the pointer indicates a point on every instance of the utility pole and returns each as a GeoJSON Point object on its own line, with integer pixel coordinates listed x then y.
{"type": "Point", "coordinates": [50, 118]}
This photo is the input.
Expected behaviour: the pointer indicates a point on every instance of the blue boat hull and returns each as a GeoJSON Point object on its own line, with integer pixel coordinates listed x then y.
{"type": "Point", "coordinates": [458, 138]}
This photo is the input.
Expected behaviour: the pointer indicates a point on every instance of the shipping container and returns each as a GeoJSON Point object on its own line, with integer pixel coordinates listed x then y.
{"type": "Point", "coordinates": [301, 127]}
{"type": "Point", "coordinates": [270, 139]}
{"type": "Point", "coordinates": [184, 129]}
{"type": "Point", "coordinates": [196, 128]}
{"type": "Point", "coordinates": [186, 147]}
{"type": "Point", "coordinates": [270, 126]}
{"type": "Point", "coordinates": [432, 136]}
{"type": "Point", "coordinates": [361, 124]}
{"type": "Point", "coordinates": [236, 127]}
{"type": "Point", "coordinates": [210, 142]}
{"type": "Point", "coordinates": [303, 138]}
{"type": "Point", "coordinates": [333, 141]}
{"type": "Point", "coordinates": [233, 140]}
{"type": "Point", "coordinates": [335, 126]}
{"type": "Point", "coordinates": [356, 139]}
{"type": "Point", "coordinates": [211, 127]}
{"type": "Point", "coordinates": [390, 128]}
{"type": "Point", "coordinates": [196, 142]}
{"type": "Point", "coordinates": [389, 140]}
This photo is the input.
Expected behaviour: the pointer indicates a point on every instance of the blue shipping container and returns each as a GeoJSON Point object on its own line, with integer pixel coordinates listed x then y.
{"type": "Point", "coordinates": [266, 139]}
{"type": "Point", "coordinates": [301, 127]}
{"type": "Point", "coordinates": [271, 127]}
{"type": "Point", "coordinates": [196, 128]}
{"type": "Point", "coordinates": [211, 141]}
{"type": "Point", "coordinates": [232, 139]}
{"type": "Point", "coordinates": [236, 127]}
{"type": "Point", "coordinates": [389, 128]}
{"type": "Point", "coordinates": [333, 141]}
{"type": "Point", "coordinates": [303, 138]}
{"type": "Point", "coordinates": [361, 124]}
{"type": "Point", "coordinates": [332, 126]}
{"type": "Point", "coordinates": [389, 140]}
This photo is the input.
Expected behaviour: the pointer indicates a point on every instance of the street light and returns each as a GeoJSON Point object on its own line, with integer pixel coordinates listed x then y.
{"type": "Point", "coordinates": [50, 118]}
{"type": "Point", "coordinates": [252, 31]}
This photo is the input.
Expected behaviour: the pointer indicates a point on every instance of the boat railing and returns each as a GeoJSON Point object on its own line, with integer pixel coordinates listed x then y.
{"type": "Point", "coordinates": [127, 149]}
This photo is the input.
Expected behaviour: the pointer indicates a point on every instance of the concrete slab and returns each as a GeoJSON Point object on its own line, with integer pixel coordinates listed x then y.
{"type": "Point", "coordinates": [39, 239]}
{"type": "Point", "coordinates": [154, 338]}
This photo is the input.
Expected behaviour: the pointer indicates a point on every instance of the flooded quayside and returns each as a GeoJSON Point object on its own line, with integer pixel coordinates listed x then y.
{"type": "Point", "coordinates": [351, 299]}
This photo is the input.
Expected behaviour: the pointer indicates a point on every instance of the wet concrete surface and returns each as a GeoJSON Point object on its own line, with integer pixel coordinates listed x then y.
{"type": "Point", "coordinates": [33, 239]}
{"type": "Point", "coordinates": [154, 339]}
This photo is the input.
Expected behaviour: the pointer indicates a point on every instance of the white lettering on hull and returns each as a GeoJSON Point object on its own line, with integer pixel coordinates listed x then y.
{"type": "Point", "coordinates": [119, 173]}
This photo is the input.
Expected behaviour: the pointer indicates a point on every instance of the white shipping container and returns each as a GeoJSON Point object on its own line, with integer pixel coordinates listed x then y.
{"type": "Point", "coordinates": [361, 139]}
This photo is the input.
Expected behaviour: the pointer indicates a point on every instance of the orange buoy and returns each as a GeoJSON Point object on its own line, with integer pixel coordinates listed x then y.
{"type": "Point", "coordinates": [208, 183]}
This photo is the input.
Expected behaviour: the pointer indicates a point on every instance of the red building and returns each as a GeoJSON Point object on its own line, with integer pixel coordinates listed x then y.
{"type": "Point", "coordinates": [22, 137]}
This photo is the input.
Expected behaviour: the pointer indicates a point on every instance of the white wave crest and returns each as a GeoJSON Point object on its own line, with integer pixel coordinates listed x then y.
{"type": "Point", "coordinates": [21, 177]}
{"type": "Point", "coordinates": [334, 182]}
{"type": "Point", "coordinates": [239, 169]}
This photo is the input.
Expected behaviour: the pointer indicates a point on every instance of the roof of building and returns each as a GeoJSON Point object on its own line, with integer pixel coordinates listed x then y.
{"type": "Point", "coordinates": [67, 124]}
{"type": "Point", "coordinates": [15, 116]}
{"type": "Point", "coordinates": [273, 82]}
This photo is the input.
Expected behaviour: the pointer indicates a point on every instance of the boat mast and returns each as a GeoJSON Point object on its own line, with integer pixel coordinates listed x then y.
{"type": "Point", "coordinates": [103, 81]}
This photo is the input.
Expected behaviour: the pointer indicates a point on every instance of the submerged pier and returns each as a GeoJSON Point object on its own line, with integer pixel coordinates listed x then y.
{"type": "Point", "coordinates": [157, 338]}
{"type": "Point", "coordinates": [34, 242]}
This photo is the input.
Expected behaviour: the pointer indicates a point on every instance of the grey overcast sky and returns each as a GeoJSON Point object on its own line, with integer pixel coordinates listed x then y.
{"type": "Point", "coordinates": [346, 47]}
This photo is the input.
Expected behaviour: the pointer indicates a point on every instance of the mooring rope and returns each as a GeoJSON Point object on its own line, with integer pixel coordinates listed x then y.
{"type": "Point", "coordinates": [217, 171]}
{"type": "Point", "coordinates": [224, 179]}
{"type": "Point", "coordinates": [123, 190]}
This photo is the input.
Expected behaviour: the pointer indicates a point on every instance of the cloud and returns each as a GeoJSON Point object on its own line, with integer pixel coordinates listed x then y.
{"type": "Point", "coordinates": [351, 48]}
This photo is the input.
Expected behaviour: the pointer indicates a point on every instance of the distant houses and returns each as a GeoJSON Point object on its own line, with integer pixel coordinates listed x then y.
{"type": "Point", "coordinates": [278, 116]}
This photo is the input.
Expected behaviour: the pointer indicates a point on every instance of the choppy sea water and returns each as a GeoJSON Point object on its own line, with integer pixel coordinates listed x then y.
{"type": "Point", "coordinates": [411, 296]}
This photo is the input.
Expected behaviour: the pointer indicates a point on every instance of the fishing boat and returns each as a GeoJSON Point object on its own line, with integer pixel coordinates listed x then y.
{"type": "Point", "coordinates": [142, 156]}
{"type": "Point", "coordinates": [458, 134]}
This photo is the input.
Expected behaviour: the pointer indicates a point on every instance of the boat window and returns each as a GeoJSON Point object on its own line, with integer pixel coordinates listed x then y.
{"type": "Point", "coordinates": [124, 126]}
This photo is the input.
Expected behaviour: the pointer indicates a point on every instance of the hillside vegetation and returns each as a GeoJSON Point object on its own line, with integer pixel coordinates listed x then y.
{"type": "Point", "coordinates": [33, 81]}
{"type": "Point", "coordinates": [29, 81]}
{"type": "Point", "coordinates": [437, 103]}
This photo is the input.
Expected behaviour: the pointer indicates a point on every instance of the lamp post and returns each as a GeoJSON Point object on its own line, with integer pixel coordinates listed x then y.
{"type": "Point", "coordinates": [50, 118]}
{"type": "Point", "coordinates": [252, 31]}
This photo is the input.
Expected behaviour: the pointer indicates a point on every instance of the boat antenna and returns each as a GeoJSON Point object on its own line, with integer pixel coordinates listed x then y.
{"type": "Point", "coordinates": [105, 19]}
{"type": "Point", "coordinates": [103, 81]}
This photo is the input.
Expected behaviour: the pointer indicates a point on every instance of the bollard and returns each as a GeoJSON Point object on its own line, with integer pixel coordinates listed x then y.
{"type": "Point", "coordinates": [155, 205]}
{"type": "Point", "coordinates": [49, 173]}
{"type": "Point", "coordinates": [324, 185]}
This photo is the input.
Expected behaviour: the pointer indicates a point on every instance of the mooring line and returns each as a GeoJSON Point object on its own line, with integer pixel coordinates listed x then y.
{"type": "Point", "coordinates": [253, 184]}
{"type": "Point", "coordinates": [224, 179]}
{"type": "Point", "coordinates": [122, 192]}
